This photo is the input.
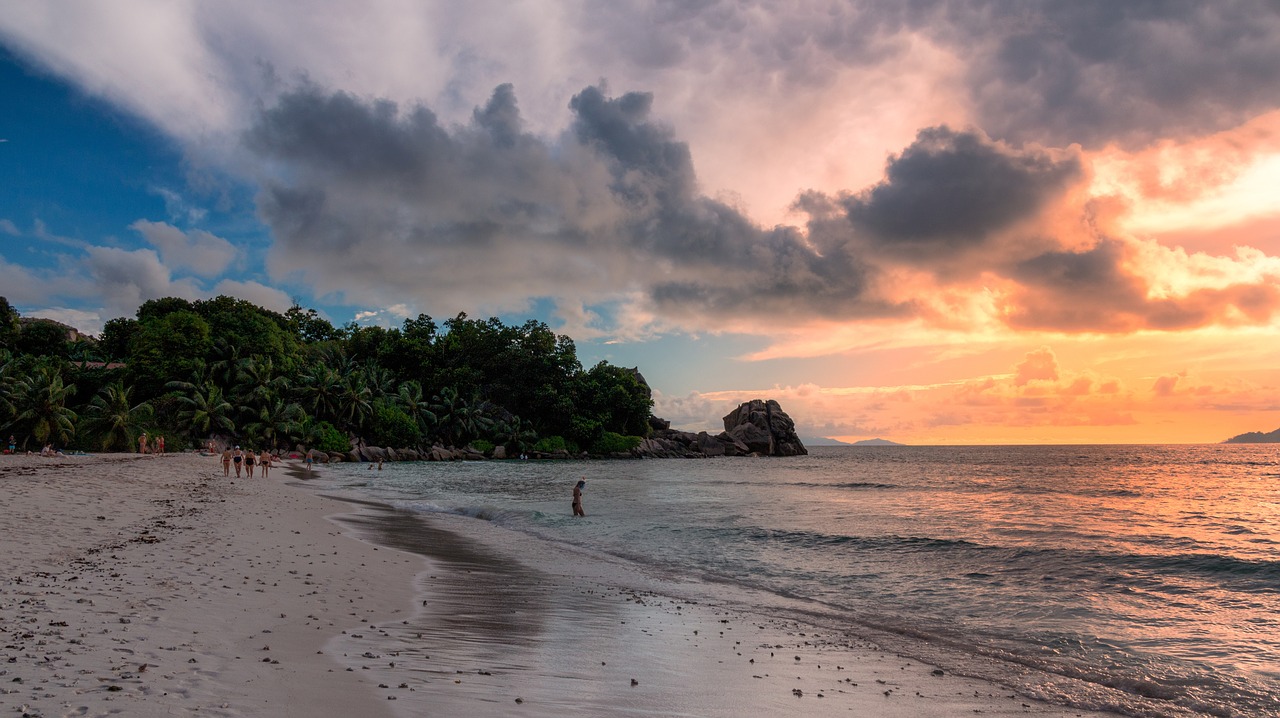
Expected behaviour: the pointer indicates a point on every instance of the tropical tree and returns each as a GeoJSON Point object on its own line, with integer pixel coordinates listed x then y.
{"type": "Point", "coordinates": [355, 401]}
{"type": "Point", "coordinates": [40, 404]}
{"type": "Point", "coordinates": [112, 420]}
{"type": "Point", "coordinates": [319, 390]}
{"type": "Point", "coordinates": [460, 419]}
{"type": "Point", "coordinates": [204, 409]}
{"type": "Point", "coordinates": [416, 406]}
{"type": "Point", "coordinates": [275, 422]}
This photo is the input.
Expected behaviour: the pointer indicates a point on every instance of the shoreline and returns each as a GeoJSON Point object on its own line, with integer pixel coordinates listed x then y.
{"type": "Point", "coordinates": [499, 618]}
{"type": "Point", "coordinates": [149, 585]}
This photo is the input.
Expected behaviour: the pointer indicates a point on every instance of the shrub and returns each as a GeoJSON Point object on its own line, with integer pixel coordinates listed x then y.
{"type": "Point", "coordinates": [328, 438]}
{"type": "Point", "coordinates": [610, 443]}
{"type": "Point", "coordinates": [392, 427]}
{"type": "Point", "coordinates": [482, 445]}
{"type": "Point", "coordinates": [552, 444]}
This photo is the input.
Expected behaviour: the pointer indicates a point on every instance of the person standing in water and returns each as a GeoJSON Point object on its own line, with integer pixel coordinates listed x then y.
{"type": "Point", "coordinates": [577, 498]}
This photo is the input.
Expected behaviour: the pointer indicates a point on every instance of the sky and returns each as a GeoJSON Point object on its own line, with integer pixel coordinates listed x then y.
{"type": "Point", "coordinates": [978, 222]}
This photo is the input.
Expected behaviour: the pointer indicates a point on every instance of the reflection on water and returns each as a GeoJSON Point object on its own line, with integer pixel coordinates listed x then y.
{"type": "Point", "coordinates": [1151, 567]}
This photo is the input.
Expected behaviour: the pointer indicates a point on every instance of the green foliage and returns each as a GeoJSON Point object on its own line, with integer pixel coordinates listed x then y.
{"type": "Point", "coordinates": [226, 367]}
{"type": "Point", "coordinates": [112, 421]}
{"type": "Point", "coordinates": [9, 326]}
{"type": "Point", "coordinates": [308, 326]}
{"type": "Point", "coordinates": [610, 443]}
{"type": "Point", "coordinates": [42, 337]}
{"type": "Point", "coordinates": [117, 335]}
{"type": "Point", "coordinates": [552, 444]}
{"type": "Point", "coordinates": [39, 399]}
{"type": "Point", "coordinates": [390, 426]}
{"type": "Point", "coordinates": [168, 347]}
{"type": "Point", "coordinates": [326, 437]}
{"type": "Point", "coordinates": [484, 446]}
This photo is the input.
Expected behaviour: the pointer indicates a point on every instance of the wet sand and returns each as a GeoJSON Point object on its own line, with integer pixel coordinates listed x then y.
{"type": "Point", "coordinates": [149, 586]}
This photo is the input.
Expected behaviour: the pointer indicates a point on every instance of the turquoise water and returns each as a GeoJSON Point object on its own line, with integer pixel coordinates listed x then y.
{"type": "Point", "coordinates": [1153, 569]}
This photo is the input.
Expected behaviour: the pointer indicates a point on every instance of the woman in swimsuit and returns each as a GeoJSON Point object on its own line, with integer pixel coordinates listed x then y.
{"type": "Point", "coordinates": [248, 462]}
{"type": "Point", "coordinates": [264, 460]}
{"type": "Point", "coordinates": [577, 498]}
{"type": "Point", "coordinates": [237, 456]}
{"type": "Point", "coordinates": [226, 460]}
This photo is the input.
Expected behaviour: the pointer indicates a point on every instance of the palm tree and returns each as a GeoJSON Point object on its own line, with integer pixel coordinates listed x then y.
{"type": "Point", "coordinates": [226, 368]}
{"type": "Point", "coordinates": [320, 389]}
{"type": "Point", "coordinates": [40, 403]}
{"type": "Point", "coordinates": [410, 399]}
{"type": "Point", "coordinates": [276, 421]}
{"type": "Point", "coordinates": [513, 431]}
{"type": "Point", "coordinates": [6, 386]}
{"type": "Point", "coordinates": [204, 408]}
{"type": "Point", "coordinates": [355, 403]}
{"type": "Point", "coordinates": [380, 382]}
{"type": "Point", "coordinates": [460, 420]}
{"type": "Point", "coordinates": [110, 417]}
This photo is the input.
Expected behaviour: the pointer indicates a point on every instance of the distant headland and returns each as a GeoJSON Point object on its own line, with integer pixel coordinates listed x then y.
{"type": "Point", "coordinates": [1255, 437]}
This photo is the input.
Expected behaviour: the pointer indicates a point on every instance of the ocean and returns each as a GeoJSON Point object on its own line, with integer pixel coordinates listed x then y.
{"type": "Point", "coordinates": [1154, 570]}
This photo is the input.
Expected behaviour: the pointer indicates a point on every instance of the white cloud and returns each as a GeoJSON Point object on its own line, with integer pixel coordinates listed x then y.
{"type": "Point", "coordinates": [8, 227]}
{"type": "Point", "coordinates": [88, 322]}
{"type": "Point", "coordinates": [203, 253]}
{"type": "Point", "coordinates": [125, 279]}
{"type": "Point", "coordinates": [260, 294]}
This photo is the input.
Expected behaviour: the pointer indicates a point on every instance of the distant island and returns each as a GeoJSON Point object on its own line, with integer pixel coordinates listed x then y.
{"type": "Point", "coordinates": [1256, 437]}
{"type": "Point", "coordinates": [828, 441]}
{"type": "Point", "coordinates": [824, 441]}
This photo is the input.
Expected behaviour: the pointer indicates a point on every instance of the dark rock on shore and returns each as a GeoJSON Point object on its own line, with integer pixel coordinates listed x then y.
{"type": "Point", "coordinates": [756, 428]}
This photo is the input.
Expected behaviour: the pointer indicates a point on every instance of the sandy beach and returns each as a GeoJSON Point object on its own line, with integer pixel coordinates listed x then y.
{"type": "Point", "coordinates": [152, 585]}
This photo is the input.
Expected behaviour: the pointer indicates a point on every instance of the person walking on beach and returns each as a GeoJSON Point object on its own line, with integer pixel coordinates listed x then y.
{"type": "Point", "coordinates": [159, 444]}
{"type": "Point", "coordinates": [237, 457]}
{"type": "Point", "coordinates": [13, 445]}
{"type": "Point", "coordinates": [308, 462]}
{"type": "Point", "coordinates": [142, 443]}
{"type": "Point", "coordinates": [577, 498]}
{"type": "Point", "coordinates": [264, 460]}
{"type": "Point", "coordinates": [248, 462]}
{"type": "Point", "coordinates": [226, 460]}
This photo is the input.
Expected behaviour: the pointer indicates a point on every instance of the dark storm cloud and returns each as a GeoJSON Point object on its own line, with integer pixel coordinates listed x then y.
{"type": "Point", "coordinates": [1048, 71]}
{"type": "Point", "coordinates": [952, 190]}
{"type": "Point", "coordinates": [368, 195]}
{"type": "Point", "coordinates": [1095, 71]}
{"type": "Point", "coordinates": [1094, 291]}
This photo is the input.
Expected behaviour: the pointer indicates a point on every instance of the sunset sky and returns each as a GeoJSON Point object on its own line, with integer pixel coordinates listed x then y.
{"type": "Point", "coordinates": [932, 222]}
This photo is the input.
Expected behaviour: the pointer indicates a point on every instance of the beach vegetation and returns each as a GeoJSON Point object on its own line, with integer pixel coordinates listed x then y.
{"type": "Point", "coordinates": [39, 397]}
{"type": "Point", "coordinates": [555, 444]}
{"type": "Point", "coordinates": [112, 421]}
{"type": "Point", "coordinates": [224, 367]}
{"type": "Point", "coordinates": [614, 443]}
{"type": "Point", "coordinates": [325, 436]}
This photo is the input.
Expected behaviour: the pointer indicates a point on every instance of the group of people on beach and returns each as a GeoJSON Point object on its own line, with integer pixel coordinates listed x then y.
{"type": "Point", "coordinates": [47, 450]}
{"type": "Point", "coordinates": [246, 461]}
{"type": "Point", "coordinates": [156, 446]}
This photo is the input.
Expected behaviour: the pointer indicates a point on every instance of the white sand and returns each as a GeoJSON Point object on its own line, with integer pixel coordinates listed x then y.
{"type": "Point", "coordinates": [146, 586]}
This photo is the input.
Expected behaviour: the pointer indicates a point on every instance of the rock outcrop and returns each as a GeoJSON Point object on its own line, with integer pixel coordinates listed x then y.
{"type": "Point", "coordinates": [756, 428]}
{"type": "Point", "coordinates": [765, 428]}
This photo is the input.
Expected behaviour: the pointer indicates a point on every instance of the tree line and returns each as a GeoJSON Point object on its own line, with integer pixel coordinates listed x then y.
{"type": "Point", "coordinates": [225, 367]}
